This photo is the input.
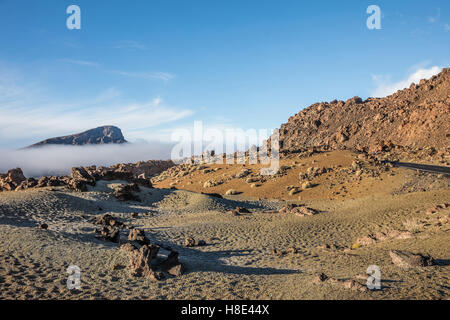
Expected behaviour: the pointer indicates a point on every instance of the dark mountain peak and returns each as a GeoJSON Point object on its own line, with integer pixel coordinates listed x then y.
{"type": "Point", "coordinates": [100, 135]}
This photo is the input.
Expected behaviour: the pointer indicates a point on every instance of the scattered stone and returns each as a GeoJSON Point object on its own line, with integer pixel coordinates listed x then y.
{"type": "Point", "coordinates": [407, 260]}
{"type": "Point", "coordinates": [231, 192]}
{"type": "Point", "coordinates": [128, 247]}
{"type": "Point", "coordinates": [140, 262]}
{"type": "Point", "coordinates": [290, 250]}
{"type": "Point", "coordinates": [298, 210]}
{"type": "Point", "coordinates": [189, 242]}
{"type": "Point", "coordinates": [243, 173]}
{"type": "Point", "coordinates": [109, 220]}
{"type": "Point", "coordinates": [138, 236]}
{"type": "Point", "coordinates": [238, 211]}
{"type": "Point", "coordinates": [437, 208]}
{"type": "Point", "coordinates": [347, 284]}
{"type": "Point", "coordinates": [306, 185]}
{"type": "Point", "coordinates": [172, 266]}
{"type": "Point", "coordinates": [201, 243]}
{"type": "Point", "coordinates": [124, 192]}
{"type": "Point", "coordinates": [118, 266]}
{"type": "Point", "coordinates": [367, 240]}
{"type": "Point", "coordinates": [321, 277]}
{"type": "Point", "coordinates": [43, 226]}
{"type": "Point", "coordinates": [211, 183]}
{"type": "Point", "coordinates": [353, 285]}
{"type": "Point", "coordinates": [108, 233]}
{"type": "Point", "coordinates": [81, 174]}
{"type": "Point", "coordinates": [251, 180]}
{"type": "Point", "coordinates": [383, 236]}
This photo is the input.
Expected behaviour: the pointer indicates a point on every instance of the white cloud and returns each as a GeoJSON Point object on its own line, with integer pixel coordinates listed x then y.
{"type": "Point", "coordinates": [81, 62]}
{"type": "Point", "coordinates": [129, 44]}
{"type": "Point", "coordinates": [385, 87]}
{"type": "Point", "coordinates": [164, 76]}
{"type": "Point", "coordinates": [28, 114]}
{"type": "Point", "coordinates": [58, 160]}
{"type": "Point", "coordinates": [436, 17]}
{"type": "Point", "coordinates": [447, 27]}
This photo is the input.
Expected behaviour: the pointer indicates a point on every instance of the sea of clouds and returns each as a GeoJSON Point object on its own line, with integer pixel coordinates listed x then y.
{"type": "Point", "coordinates": [58, 160]}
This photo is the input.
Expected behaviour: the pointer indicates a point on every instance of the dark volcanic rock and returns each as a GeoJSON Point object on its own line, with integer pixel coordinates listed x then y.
{"type": "Point", "coordinates": [125, 192]}
{"type": "Point", "coordinates": [407, 260]}
{"type": "Point", "coordinates": [172, 266]}
{"type": "Point", "coordinates": [138, 236]}
{"type": "Point", "coordinates": [140, 262]}
{"type": "Point", "coordinates": [100, 135]}
{"type": "Point", "coordinates": [12, 179]}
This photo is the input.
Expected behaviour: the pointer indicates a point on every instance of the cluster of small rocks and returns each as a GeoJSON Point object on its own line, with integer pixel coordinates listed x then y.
{"type": "Point", "coordinates": [347, 284]}
{"type": "Point", "coordinates": [383, 236]}
{"type": "Point", "coordinates": [109, 228]}
{"type": "Point", "coordinates": [142, 253]}
{"type": "Point", "coordinates": [191, 242]}
{"type": "Point", "coordinates": [298, 210]}
{"type": "Point", "coordinates": [82, 177]}
{"type": "Point", "coordinates": [238, 211]}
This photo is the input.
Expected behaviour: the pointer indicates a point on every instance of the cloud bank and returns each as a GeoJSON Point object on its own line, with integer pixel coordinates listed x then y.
{"type": "Point", "coordinates": [58, 160]}
{"type": "Point", "coordinates": [385, 87]}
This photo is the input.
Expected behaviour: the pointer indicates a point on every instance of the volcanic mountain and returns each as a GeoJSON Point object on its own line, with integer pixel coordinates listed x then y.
{"type": "Point", "coordinates": [100, 135]}
{"type": "Point", "coordinates": [415, 117]}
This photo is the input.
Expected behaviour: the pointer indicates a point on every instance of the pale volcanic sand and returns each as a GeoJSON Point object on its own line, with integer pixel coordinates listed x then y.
{"type": "Point", "coordinates": [237, 262]}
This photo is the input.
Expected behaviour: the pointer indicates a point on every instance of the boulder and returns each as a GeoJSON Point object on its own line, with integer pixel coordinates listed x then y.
{"type": "Point", "coordinates": [407, 260]}
{"type": "Point", "coordinates": [124, 192]}
{"type": "Point", "coordinates": [172, 266]}
{"type": "Point", "coordinates": [231, 192]}
{"type": "Point", "coordinates": [243, 173]}
{"type": "Point", "coordinates": [127, 247]}
{"type": "Point", "coordinates": [108, 233]}
{"type": "Point", "coordinates": [189, 242]}
{"type": "Point", "coordinates": [238, 211]}
{"type": "Point", "coordinates": [141, 262]}
{"type": "Point", "coordinates": [11, 180]}
{"type": "Point", "coordinates": [138, 236]}
{"type": "Point", "coordinates": [108, 220]}
{"type": "Point", "coordinates": [298, 210]}
{"type": "Point", "coordinates": [81, 174]}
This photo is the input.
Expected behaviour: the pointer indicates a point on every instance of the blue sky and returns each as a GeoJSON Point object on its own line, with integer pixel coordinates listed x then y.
{"type": "Point", "coordinates": [152, 66]}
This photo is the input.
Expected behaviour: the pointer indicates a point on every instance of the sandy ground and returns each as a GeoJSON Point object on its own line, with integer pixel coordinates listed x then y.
{"type": "Point", "coordinates": [237, 262]}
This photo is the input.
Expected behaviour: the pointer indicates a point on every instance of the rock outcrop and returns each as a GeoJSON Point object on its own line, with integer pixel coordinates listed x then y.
{"type": "Point", "coordinates": [141, 262]}
{"type": "Point", "coordinates": [100, 135]}
{"type": "Point", "coordinates": [416, 117]}
{"type": "Point", "coordinates": [81, 177]}
{"type": "Point", "coordinates": [12, 179]}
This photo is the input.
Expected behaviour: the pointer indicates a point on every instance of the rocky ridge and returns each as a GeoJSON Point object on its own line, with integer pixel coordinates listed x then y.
{"type": "Point", "coordinates": [416, 117]}
{"type": "Point", "coordinates": [100, 135]}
